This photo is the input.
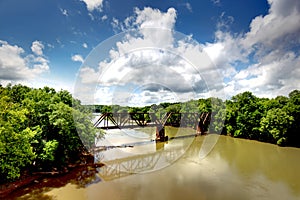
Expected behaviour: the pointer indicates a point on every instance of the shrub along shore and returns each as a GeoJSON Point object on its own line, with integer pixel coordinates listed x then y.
{"type": "Point", "coordinates": [39, 131]}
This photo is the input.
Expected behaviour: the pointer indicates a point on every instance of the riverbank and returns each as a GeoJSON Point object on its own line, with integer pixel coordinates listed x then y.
{"type": "Point", "coordinates": [84, 169]}
{"type": "Point", "coordinates": [8, 188]}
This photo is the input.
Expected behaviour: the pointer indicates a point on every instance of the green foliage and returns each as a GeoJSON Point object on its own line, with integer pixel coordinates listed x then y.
{"type": "Point", "coordinates": [15, 140]}
{"type": "Point", "coordinates": [270, 120]}
{"type": "Point", "coordinates": [244, 116]}
{"type": "Point", "coordinates": [218, 109]}
{"type": "Point", "coordinates": [205, 105]}
{"type": "Point", "coordinates": [276, 124]}
{"type": "Point", "coordinates": [41, 129]}
{"type": "Point", "coordinates": [174, 108]}
{"type": "Point", "coordinates": [293, 109]}
{"type": "Point", "coordinates": [49, 149]}
{"type": "Point", "coordinates": [190, 107]}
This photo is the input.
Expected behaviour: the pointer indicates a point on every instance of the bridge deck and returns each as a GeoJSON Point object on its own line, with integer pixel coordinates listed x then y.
{"type": "Point", "coordinates": [134, 120]}
{"type": "Point", "coordinates": [125, 126]}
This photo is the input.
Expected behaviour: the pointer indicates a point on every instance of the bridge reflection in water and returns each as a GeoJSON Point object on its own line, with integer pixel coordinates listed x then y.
{"type": "Point", "coordinates": [143, 157]}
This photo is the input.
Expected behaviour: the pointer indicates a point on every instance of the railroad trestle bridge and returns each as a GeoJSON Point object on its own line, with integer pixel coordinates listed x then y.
{"type": "Point", "coordinates": [141, 163]}
{"type": "Point", "coordinates": [199, 121]}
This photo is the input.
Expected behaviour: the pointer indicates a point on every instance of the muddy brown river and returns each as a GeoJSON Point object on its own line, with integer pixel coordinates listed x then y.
{"type": "Point", "coordinates": [204, 167]}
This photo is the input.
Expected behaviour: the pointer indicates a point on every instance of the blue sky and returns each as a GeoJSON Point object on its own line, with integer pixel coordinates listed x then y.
{"type": "Point", "coordinates": [250, 45]}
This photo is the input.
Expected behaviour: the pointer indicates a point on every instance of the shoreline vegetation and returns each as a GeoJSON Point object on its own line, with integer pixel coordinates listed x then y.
{"type": "Point", "coordinates": [275, 120]}
{"type": "Point", "coordinates": [78, 171]}
{"type": "Point", "coordinates": [45, 133]}
{"type": "Point", "coordinates": [41, 130]}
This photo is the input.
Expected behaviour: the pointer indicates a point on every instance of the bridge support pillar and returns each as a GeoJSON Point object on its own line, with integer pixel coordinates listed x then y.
{"type": "Point", "coordinates": [160, 133]}
{"type": "Point", "coordinates": [200, 129]}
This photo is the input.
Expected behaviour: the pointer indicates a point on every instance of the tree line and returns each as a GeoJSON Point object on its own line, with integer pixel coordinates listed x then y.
{"type": "Point", "coordinates": [38, 131]}
{"type": "Point", "coordinates": [42, 129]}
{"type": "Point", "coordinates": [275, 120]}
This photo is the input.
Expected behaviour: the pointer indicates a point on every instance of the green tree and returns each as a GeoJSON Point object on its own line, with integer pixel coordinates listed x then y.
{"type": "Point", "coordinates": [275, 125]}
{"type": "Point", "coordinates": [15, 140]}
{"type": "Point", "coordinates": [41, 129]}
{"type": "Point", "coordinates": [205, 105]}
{"type": "Point", "coordinates": [218, 109]}
{"type": "Point", "coordinates": [245, 115]}
{"type": "Point", "coordinates": [231, 116]}
{"type": "Point", "coordinates": [293, 109]}
{"type": "Point", "coordinates": [190, 107]}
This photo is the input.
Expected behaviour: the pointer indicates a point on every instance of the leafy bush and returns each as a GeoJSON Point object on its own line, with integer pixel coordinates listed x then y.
{"type": "Point", "coordinates": [39, 130]}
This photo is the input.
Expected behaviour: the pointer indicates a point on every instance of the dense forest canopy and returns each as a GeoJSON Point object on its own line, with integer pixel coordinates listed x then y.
{"type": "Point", "coordinates": [38, 130]}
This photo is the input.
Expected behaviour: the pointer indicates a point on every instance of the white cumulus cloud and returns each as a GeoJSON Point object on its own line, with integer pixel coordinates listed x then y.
{"type": "Point", "coordinates": [154, 58]}
{"type": "Point", "coordinates": [77, 58]}
{"type": "Point", "coordinates": [104, 17]}
{"type": "Point", "coordinates": [93, 4]}
{"type": "Point", "coordinates": [266, 59]}
{"type": "Point", "coordinates": [37, 47]}
{"type": "Point", "coordinates": [85, 45]}
{"type": "Point", "coordinates": [15, 65]}
{"type": "Point", "coordinates": [280, 28]}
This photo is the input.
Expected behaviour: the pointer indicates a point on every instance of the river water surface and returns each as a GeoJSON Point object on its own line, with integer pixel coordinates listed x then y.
{"type": "Point", "coordinates": [233, 169]}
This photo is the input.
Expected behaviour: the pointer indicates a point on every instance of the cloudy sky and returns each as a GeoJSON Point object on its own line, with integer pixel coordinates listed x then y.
{"type": "Point", "coordinates": [145, 52]}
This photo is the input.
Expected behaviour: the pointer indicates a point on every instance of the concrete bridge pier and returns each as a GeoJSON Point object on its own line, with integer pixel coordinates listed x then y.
{"type": "Point", "coordinates": [160, 133]}
{"type": "Point", "coordinates": [199, 129]}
